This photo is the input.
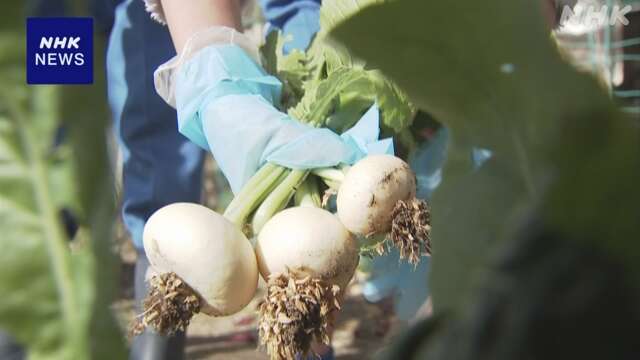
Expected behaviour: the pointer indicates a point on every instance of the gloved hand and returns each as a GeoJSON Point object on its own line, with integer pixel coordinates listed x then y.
{"type": "Point", "coordinates": [225, 104]}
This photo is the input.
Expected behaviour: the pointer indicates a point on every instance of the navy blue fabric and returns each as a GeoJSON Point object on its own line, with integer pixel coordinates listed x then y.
{"type": "Point", "coordinates": [298, 18]}
{"type": "Point", "coordinates": [160, 166]}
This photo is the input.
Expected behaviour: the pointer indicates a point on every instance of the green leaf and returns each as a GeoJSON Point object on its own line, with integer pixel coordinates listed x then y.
{"type": "Point", "coordinates": [325, 86]}
{"type": "Point", "coordinates": [270, 51]}
{"type": "Point", "coordinates": [469, 73]}
{"type": "Point", "coordinates": [292, 69]}
{"type": "Point", "coordinates": [334, 12]}
{"type": "Point", "coordinates": [397, 112]}
{"type": "Point", "coordinates": [326, 55]}
{"type": "Point", "coordinates": [339, 101]}
{"type": "Point", "coordinates": [490, 72]}
{"type": "Point", "coordinates": [56, 291]}
{"type": "Point", "coordinates": [351, 106]}
{"type": "Point", "coordinates": [321, 97]}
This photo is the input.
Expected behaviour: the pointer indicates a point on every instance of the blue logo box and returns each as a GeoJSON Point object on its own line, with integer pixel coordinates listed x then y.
{"type": "Point", "coordinates": [60, 50]}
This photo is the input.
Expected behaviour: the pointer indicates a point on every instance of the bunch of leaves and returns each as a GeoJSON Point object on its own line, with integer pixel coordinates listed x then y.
{"type": "Point", "coordinates": [323, 86]}
{"type": "Point", "coordinates": [326, 86]}
{"type": "Point", "coordinates": [56, 283]}
{"type": "Point", "coordinates": [560, 148]}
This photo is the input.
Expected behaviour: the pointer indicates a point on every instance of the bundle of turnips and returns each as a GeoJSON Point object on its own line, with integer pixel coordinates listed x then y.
{"type": "Point", "coordinates": [307, 255]}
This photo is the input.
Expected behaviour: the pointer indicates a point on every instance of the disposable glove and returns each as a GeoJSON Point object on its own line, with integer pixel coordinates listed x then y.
{"type": "Point", "coordinates": [225, 104]}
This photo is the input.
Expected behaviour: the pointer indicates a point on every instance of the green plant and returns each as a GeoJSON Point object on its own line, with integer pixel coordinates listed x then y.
{"type": "Point", "coordinates": [56, 286]}
{"type": "Point", "coordinates": [323, 87]}
{"type": "Point", "coordinates": [490, 72]}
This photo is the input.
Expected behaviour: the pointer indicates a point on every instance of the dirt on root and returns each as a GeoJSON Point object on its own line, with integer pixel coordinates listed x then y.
{"type": "Point", "coordinates": [168, 308]}
{"type": "Point", "coordinates": [361, 330]}
{"type": "Point", "coordinates": [411, 229]}
{"type": "Point", "coordinates": [296, 311]}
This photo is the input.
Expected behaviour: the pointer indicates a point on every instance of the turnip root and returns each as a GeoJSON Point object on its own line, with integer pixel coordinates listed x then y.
{"type": "Point", "coordinates": [205, 264]}
{"type": "Point", "coordinates": [307, 257]}
{"type": "Point", "coordinates": [377, 196]}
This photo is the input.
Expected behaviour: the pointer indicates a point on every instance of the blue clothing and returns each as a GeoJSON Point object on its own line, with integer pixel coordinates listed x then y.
{"type": "Point", "coordinates": [160, 166]}
{"type": "Point", "coordinates": [301, 19]}
{"type": "Point", "coordinates": [391, 276]}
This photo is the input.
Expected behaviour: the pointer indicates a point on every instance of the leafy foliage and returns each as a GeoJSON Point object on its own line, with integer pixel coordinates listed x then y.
{"type": "Point", "coordinates": [325, 86]}
{"type": "Point", "coordinates": [490, 72]}
{"type": "Point", "coordinates": [551, 298]}
{"type": "Point", "coordinates": [335, 12]}
{"type": "Point", "coordinates": [56, 290]}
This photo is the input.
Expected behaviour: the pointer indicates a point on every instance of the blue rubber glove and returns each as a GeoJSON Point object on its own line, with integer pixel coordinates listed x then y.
{"type": "Point", "coordinates": [224, 101]}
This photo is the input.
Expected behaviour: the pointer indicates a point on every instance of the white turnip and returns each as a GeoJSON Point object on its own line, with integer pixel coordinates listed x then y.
{"type": "Point", "coordinates": [377, 196]}
{"type": "Point", "coordinates": [308, 257]}
{"type": "Point", "coordinates": [204, 262]}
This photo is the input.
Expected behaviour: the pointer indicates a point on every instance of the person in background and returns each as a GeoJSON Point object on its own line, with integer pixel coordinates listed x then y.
{"type": "Point", "coordinates": [160, 165]}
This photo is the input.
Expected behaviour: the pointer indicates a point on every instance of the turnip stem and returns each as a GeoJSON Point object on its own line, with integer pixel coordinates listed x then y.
{"type": "Point", "coordinates": [254, 192]}
{"type": "Point", "coordinates": [334, 186]}
{"type": "Point", "coordinates": [332, 174]}
{"type": "Point", "coordinates": [308, 193]}
{"type": "Point", "coordinates": [250, 186]}
{"type": "Point", "coordinates": [278, 199]}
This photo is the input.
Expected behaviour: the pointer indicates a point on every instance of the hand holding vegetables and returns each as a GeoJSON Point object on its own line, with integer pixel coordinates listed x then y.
{"type": "Point", "coordinates": [225, 103]}
{"type": "Point", "coordinates": [223, 100]}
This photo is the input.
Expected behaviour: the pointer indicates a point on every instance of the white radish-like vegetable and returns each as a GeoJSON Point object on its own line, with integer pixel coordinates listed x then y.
{"type": "Point", "coordinates": [308, 257]}
{"type": "Point", "coordinates": [377, 196]}
{"type": "Point", "coordinates": [205, 264]}
{"type": "Point", "coordinates": [310, 238]}
{"type": "Point", "coordinates": [370, 191]}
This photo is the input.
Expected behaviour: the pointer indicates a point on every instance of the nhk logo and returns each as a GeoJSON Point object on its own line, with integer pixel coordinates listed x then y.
{"type": "Point", "coordinates": [59, 50]}
{"type": "Point", "coordinates": [58, 58]}
{"type": "Point", "coordinates": [593, 16]}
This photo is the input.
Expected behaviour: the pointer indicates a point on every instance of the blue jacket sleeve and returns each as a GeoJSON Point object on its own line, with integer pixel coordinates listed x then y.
{"type": "Point", "coordinates": [298, 18]}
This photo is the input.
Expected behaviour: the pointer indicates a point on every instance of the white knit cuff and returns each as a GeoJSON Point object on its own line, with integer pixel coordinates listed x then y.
{"type": "Point", "coordinates": [154, 8]}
